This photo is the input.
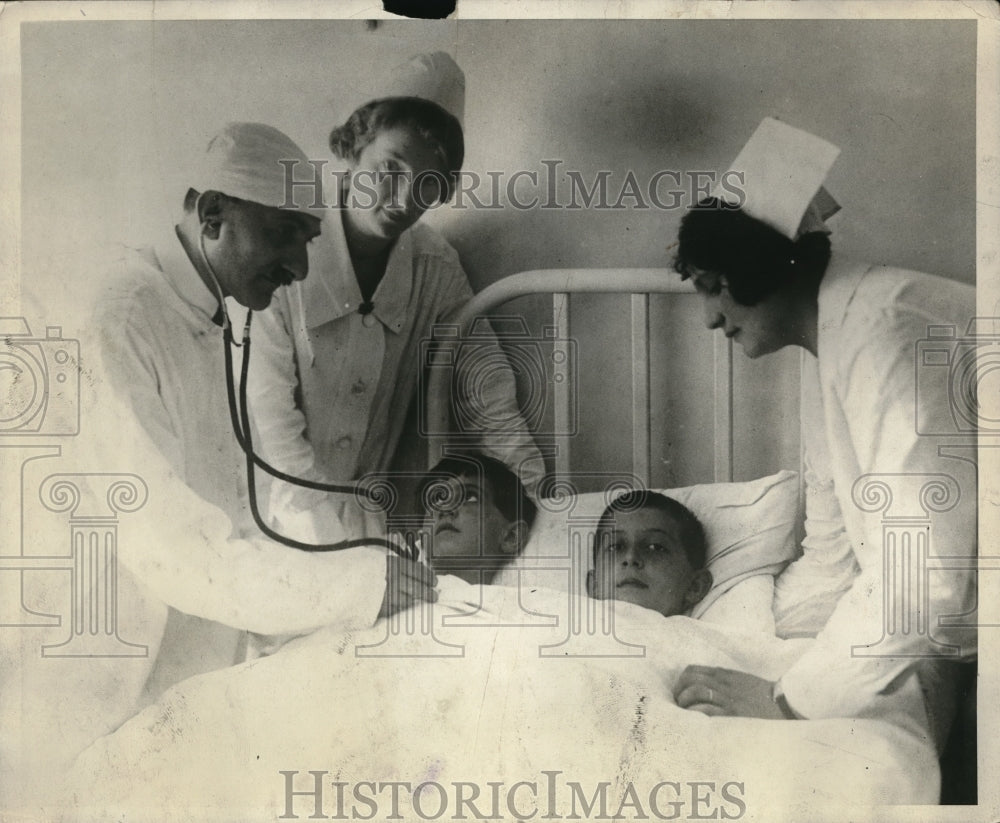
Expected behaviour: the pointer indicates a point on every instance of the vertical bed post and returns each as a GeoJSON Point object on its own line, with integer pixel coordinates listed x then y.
{"type": "Point", "coordinates": [641, 411]}
{"type": "Point", "coordinates": [562, 390]}
{"type": "Point", "coordinates": [804, 409]}
{"type": "Point", "coordinates": [723, 409]}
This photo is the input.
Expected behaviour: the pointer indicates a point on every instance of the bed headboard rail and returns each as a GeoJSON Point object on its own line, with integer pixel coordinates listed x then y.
{"type": "Point", "coordinates": [640, 284]}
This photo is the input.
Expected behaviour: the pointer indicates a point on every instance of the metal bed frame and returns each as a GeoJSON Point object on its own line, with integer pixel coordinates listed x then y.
{"type": "Point", "coordinates": [639, 283]}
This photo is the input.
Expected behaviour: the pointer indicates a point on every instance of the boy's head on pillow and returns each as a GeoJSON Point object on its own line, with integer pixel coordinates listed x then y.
{"type": "Point", "coordinates": [650, 550]}
{"type": "Point", "coordinates": [478, 515]}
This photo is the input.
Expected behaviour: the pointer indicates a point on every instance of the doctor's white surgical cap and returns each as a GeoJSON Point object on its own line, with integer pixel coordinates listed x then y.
{"type": "Point", "coordinates": [256, 162]}
{"type": "Point", "coordinates": [782, 169]}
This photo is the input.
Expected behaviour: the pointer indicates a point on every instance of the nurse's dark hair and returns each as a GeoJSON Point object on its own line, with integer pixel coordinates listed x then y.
{"type": "Point", "coordinates": [509, 495]}
{"type": "Point", "coordinates": [756, 259]}
{"type": "Point", "coordinates": [692, 533]}
{"type": "Point", "coordinates": [191, 199]}
{"type": "Point", "coordinates": [435, 125]}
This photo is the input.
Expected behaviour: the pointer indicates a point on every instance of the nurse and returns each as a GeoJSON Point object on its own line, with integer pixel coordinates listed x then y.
{"type": "Point", "coordinates": [767, 279]}
{"type": "Point", "coordinates": [333, 379]}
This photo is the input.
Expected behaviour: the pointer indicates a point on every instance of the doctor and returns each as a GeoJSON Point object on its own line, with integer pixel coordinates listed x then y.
{"type": "Point", "coordinates": [334, 376]}
{"type": "Point", "coordinates": [194, 574]}
{"type": "Point", "coordinates": [767, 280]}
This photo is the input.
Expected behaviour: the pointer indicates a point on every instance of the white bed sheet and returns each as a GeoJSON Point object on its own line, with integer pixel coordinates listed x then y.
{"type": "Point", "coordinates": [214, 746]}
{"type": "Point", "coordinates": [747, 606]}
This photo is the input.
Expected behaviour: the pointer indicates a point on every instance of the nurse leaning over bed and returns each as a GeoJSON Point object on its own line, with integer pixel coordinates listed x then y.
{"type": "Point", "coordinates": [767, 280]}
{"type": "Point", "coordinates": [334, 375]}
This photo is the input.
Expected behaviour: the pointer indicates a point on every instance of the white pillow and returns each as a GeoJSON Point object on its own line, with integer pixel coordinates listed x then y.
{"type": "Point", "coordinates": [750, 528]}
{"type": "Point", "coordinates": [746, 606]}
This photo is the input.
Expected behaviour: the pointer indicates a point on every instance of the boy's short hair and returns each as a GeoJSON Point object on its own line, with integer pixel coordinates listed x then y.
{"type": "Point", "coordinates": [509, 495]}
{"type": "Point", "coordinates": [756, 259]}
{"type": "Point", "coordinates": [692, 533]}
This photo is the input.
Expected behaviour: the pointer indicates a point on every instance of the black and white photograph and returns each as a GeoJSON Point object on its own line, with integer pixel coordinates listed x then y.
{"type": "Point", "coordinates": [555, 411]}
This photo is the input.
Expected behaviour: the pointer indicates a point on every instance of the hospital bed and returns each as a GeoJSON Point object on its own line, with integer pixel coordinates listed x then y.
{"type": "Point", "coordinates": [509, 684]}
{"type": "Point", "coordinates": [742, 551]}
{"type": "Point", "coordinates": [743, 560]}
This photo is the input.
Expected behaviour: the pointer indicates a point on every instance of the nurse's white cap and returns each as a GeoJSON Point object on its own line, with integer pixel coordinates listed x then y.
{"type": "Point", "coordinates": [782, 171]}
{"type": "Point", "coordinates": [244, 160]}
{"type": "Point", "coordinates": [435, 77]}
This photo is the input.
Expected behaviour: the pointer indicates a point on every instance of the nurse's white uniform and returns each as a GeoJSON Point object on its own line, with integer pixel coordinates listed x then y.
{"type": "Point", "coordinates": [333, 391]}
{"type": "Point", "coordinates": [865, 382]}
{"type": "Point", "coordinates": [862, 438]}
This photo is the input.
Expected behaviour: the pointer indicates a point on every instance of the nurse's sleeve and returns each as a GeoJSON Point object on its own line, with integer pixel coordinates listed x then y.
{"type": "Point", "coordinates": [807, 591]}
{"type": "Point", "coordinates": [272, 381]}
{"type": "Point", "coordinates": [491, 401]}
{"type": "Point", "coordinates": [860, 653]}
{"type": "Point", "coordinates": [182, 548]}
{"type": "Point", "coordinates": [279, 427]}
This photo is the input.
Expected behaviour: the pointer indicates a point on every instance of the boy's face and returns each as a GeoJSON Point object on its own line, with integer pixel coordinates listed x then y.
{"type": "Point", "coordinates": [640, 559]}
{"type": "Point", "coordinates": [467, 524]}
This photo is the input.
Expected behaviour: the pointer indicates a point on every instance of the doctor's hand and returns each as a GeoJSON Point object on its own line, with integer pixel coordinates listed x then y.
{"type": "Point", "coordinates": [716, 691]}
{"type": "Point", "coordinates": [406, 582]}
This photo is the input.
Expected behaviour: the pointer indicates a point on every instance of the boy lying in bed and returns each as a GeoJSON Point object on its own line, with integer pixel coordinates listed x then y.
{"type": "Point", "coordinates": [478, 517]}
{"type": "Point", "coordinates": [649, 549]}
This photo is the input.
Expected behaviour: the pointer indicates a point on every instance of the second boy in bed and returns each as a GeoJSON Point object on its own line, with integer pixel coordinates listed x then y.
{"type": "Point", "coordinates": [650, 550]}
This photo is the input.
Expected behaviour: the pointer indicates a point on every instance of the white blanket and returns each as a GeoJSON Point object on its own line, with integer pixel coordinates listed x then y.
{"type": "Point", "coordinates": [494, 709]}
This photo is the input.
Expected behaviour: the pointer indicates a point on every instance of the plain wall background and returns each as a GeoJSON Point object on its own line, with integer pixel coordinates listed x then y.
{"type": "Point", "coordinates": [110, 110]}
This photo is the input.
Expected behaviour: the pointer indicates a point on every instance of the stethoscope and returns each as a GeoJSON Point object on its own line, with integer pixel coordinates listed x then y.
{"type": "Point", "coordinates": [240, 418]}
